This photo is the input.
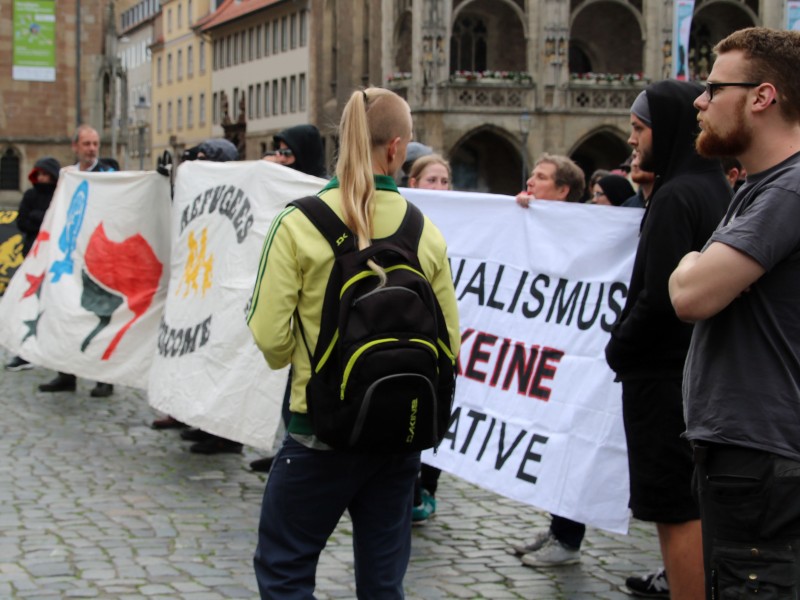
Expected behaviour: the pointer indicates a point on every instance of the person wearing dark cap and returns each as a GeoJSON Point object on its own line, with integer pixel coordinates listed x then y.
{"type": "Point", "coordinates": [32, 208]}
{"type": "Point", "coordinates": [648, 345]}
{"type": "Point", "coordinates": [415, 150]}
{"type": "Point", "coordinates": [215, 149]}
{"type": "Point", "coordinates": [299, 147]}
{"type": "Point", "coordinates": [611, 190]}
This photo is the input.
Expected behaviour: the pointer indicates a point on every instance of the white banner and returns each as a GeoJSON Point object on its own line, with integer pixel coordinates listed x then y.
{"type": "Point", "coordinates": [538, 416]}
{"type": "Point", "coordinates": [88, 297]}
{"type": "Point", "coordinates": [208, 371]}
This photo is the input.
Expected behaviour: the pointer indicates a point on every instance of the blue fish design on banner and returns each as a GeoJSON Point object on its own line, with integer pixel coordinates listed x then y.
{"type": "Point", "coordinates": [69, 236]}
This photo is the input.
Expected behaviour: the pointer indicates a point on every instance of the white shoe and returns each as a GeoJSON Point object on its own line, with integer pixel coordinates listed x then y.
{"type": "Point", "coordinates": [552, 554]}
{"type": "Point", "coordinates": [540, 538]}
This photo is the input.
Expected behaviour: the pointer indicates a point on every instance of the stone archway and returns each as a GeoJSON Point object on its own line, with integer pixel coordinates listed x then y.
{"type": "Point", "coordinates": [485, 160]}
{"type": "Point", "coordinates": [602, 149]}
{"type": "Point", "coordinates": [712, 22]}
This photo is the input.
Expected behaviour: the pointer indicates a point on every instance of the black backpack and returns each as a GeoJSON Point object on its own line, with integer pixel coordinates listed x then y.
{"type": "Point", "coordinates": [382, 373]}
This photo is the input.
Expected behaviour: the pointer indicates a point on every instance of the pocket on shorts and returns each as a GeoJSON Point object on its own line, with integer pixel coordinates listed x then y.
{"type": "Point", "coordinates": [766, 573]}
{"type": "Point", "coordinates": [782, 518]}
{"type": "Point", "coordinates": [741, 500]}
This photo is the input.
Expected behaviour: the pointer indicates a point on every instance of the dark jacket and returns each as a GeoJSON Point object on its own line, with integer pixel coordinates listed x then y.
{"type": "Point", "coordinates": [689, 199]}
{"type": "Point", "coordinates": [305, 143]}
{"type": "Point", "coordinates": [36, 201]}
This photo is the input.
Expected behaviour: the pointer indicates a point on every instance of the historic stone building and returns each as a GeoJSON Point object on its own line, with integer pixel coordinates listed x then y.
{"type": "Point", "coordinates": [38, 118]}
{"type": "Point", "coordinates": [494, 83]}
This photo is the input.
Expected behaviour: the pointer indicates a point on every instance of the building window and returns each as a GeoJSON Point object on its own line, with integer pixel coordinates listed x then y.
{"type": "Point", "coordinates": [258, 41]}
{"type": "Point", "coordinates": [468, 44]}
{"type": "Point", "coordinates": [293, 31]}
{"type": "Point", "coordinates": [266, 39]}
{"type": "Point", "coordinates": [283, 95]}
{"type": "Point", "coordinates": [169, 68]}
{"type": "Point", "coordinates": [236, 49]}
{"type": "Point", "coordinates": [275, 104]}
{"type": "Point", "coordinates": [169, 20]}
{"type": "Point", "coordinates": [180, 15]}
{"type": "Point", "coordinates": [159, 118]}
{"type": "Point", "coordinates": [243, 44]}
{"type": "Point", "coordinates": [169, 117]}
{"type": "Point", "coordinates": [9, 170]}
{"type": "Point", "coordinates": [303, 28]}
{"type": "Point", "coordinates": [201, 110]}
{"type": "Point", "coordinates": [266, 98]}
{"type": "Point", "coordinates": [250, 98]}
{"type": "Point", "coordinates": [214, 55]}
{"type": "Point", "coordinates": [301, 96]}
{"type": "Point", "coordinates": [189, 12]}
{"type": "Point", "coordinates": [251, 44]}
{"type": "Point", "coordinates": [228, 51]}
{"type": "Point", "coordinates": [202, 56]}
{"type": "Point", "coordinates": [179, 114]}
{"type": "Point", "coordinates": [214, 108]}
{"type": "Point", "coordinates": [276, 36]}
{"type": "Point", "coordinates": [293, 94]}
{"type": "Point", "coordinates": [180, 65]}
{"type": "Point", "coordinates": [158, 71]}
{"type": "Point", "coordinates": [284, 34]}
{"type": "Point", "coordinates": [189, 61]}
{"type": "Point", "coordinates": [258, 101]}
{"type": "Point", "coordinates": [235, 109]}
{"type": "Point", "coordinates": [189, 112]}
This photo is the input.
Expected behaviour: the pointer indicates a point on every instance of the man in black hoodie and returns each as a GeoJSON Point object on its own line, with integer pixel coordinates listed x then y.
{"type": "Point", "coordinates": [649, 344]}
{"type": "Point", "coordinates": [299, 147]}
{"type": "Point", "coordinates": [34, 204]}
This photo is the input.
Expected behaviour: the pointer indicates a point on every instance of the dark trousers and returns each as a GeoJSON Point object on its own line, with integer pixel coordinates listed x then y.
{"type": "Point", "coordinates": [568, 532]}
{"type": "Point", "coordinates": [307, 492]}
{"type": "Point", "coordinates": [750, 511]}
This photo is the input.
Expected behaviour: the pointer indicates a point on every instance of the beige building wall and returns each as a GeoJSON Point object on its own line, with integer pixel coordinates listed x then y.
{"type": "Point", "coordinates": [180, 114]}
{"type": "Point", "coordinates": [261, 63]}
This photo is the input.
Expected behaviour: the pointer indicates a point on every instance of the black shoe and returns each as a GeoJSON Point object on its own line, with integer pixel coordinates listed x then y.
{"type": "Point", "coordinates": [262, 465]}
{"type": "Point", "coordinates": [195, 435]}
{"type": "Point", "coordinates": [216, 445]}
{"type": "Point", "coordinates": [18, 364]}
{"type": "Point", "coordinates": [63, 382]}
{"type": "Point", "coordinates": [102, 390]}
{"type": "Point", "coordinates": [168, 422]}
{"type": "Point", "coordinates": [651, 585]}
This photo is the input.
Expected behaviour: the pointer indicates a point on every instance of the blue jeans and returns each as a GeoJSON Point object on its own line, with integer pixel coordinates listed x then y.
{"type": "Point", "coordinates": [307, 493]}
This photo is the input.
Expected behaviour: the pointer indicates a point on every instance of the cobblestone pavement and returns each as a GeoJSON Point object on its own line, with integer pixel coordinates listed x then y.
{"type": "Point", "coordinates": [95, 504]}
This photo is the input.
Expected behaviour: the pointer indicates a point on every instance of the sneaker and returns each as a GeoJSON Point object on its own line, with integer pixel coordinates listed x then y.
{"type": "Point", "coordinates": [18, 364]}
{"type": "Point", "coordinates": [651, 585]}
{"type": "Point", "coordinates": [168, 422]}
{"type": "Point", "coordinates": [195, 435]}
{"type": "Point", "coordinates": [540, 538]}
{"type": "Point", "coordinates": [420, 514]}
{"type": "Point", "coordinates": [552, 554]}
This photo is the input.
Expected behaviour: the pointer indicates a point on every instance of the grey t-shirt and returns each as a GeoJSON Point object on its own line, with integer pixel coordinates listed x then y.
{"type": "Point", "coordinates": [741, 382]}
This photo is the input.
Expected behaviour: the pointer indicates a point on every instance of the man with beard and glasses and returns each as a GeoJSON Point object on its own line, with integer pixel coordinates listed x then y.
{"type": "Point", "coordinates": [648, 345]}
{"type": "Point", "coordinates": [742, 378]}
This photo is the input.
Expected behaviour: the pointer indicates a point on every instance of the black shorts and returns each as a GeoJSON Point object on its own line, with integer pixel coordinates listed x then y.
{"type": "Point", "coordinates": [659, 459]}
{"type": "Point", "coordinates": [751, 522]}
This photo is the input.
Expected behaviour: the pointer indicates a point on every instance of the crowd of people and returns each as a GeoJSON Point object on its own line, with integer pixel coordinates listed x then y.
{"type": "Point", "coordinates": [707, 347]}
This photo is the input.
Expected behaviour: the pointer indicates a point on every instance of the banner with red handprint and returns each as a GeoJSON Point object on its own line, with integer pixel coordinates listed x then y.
{"type": "Point", "coordinates": [90, 293]}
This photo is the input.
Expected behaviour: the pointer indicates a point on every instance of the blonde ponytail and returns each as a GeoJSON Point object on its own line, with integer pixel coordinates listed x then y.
{"type": "Point", "coordinates": [371, 118]}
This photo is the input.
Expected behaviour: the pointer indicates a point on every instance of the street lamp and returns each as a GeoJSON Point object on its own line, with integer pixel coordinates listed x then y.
{"type": "Point", "coordinates": [142, 110]}
{"type": "Point", "coordinates": [524, 130]}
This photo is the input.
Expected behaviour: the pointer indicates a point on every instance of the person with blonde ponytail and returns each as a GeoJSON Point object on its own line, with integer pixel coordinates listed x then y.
{"type": "Point", "coordinates": [311, 485]}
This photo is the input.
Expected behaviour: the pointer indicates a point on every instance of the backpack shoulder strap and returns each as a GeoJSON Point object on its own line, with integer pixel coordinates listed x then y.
{"type": "Point", "coordinates": [332, 228]}
{"type": "Point", "coordinates": [410, 231]}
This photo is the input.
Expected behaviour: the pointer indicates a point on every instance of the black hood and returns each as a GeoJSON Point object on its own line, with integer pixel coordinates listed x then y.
{"type": "Point", "coordinates": [49, 165]}
{"type": "Point", "coordinates": [675, 128]}
{"type": "Point", "coordinates": [306, 144]}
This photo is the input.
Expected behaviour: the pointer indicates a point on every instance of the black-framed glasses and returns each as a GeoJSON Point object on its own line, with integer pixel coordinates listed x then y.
{"type": "Point", "coordinates": [712, 87]}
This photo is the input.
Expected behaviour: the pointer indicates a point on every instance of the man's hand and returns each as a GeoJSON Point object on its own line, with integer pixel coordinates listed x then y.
{"type": "Point", "coordinates": [524, 199]}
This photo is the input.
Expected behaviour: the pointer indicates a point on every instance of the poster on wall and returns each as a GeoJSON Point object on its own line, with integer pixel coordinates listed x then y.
{"type": "Point", "coordinates": [681, 27]}
{"type": "Point", "coordinates": [793, 15]}
{"type": "Point", "coordinates": [34, 40]}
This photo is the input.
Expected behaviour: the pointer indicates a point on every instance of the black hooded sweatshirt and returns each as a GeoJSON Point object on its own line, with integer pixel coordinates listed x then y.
{"type": "Point", "coordinates": [689, 200]}
{"type": "Point", "coordinates": [305, 143]}
{"type": "Point", "coordinates": [36, 201]}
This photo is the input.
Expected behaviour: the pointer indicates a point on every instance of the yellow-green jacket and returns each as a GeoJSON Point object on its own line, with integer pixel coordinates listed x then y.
{"type": "Point", "coordinates": [293, 274]}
